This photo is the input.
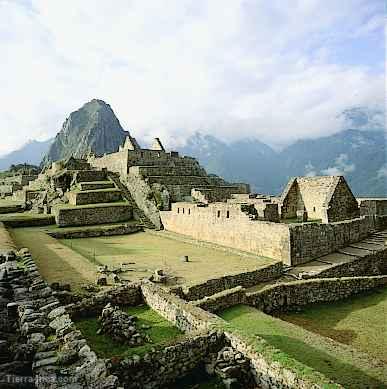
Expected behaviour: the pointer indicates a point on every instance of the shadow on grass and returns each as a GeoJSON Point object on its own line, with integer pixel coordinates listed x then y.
{"type": "Point", "coordinates": [340, 372]}
{"type": "Point", "coordinates": [310, 317]}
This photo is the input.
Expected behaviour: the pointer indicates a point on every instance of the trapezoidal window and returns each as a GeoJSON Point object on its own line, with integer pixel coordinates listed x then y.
{"type": "Point", "coordinates": [183, 210]}
{"type": "Point", "coordinates": [218, 213]}
{"type": "Point", "coordinates": [178, 210]}
{"type": "Point", "coordinates": [314, 209]}
{"type": "Point", "coordinates": [189, 211]}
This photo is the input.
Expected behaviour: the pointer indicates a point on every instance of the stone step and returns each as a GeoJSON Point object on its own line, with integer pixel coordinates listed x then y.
{"type": "Point", "coordinates": [66, 216]}
{"type": "Point", "coordinates": [91, 175]}
{"type": "Point", "coordinates": [93, 185]}
{"type": "Point", "coordinates": [96, 196]}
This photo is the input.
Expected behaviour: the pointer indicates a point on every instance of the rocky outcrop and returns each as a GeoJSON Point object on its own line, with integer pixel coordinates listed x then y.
{"type": "Point", "coordinates": [93, 128]}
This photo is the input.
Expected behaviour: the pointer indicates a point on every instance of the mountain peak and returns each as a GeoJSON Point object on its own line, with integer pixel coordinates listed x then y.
{"type": "Point", "coordinates": [93, 127]}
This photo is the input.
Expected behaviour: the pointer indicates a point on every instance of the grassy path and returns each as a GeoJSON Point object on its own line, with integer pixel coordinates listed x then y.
{"type": "Point", "coordinates": [56, 262]}
{"type": "Point", "coordinates": [341, 363]}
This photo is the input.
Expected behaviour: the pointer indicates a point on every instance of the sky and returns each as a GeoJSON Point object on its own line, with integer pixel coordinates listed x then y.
{"type": "Point", "coordinates": [275, 70]}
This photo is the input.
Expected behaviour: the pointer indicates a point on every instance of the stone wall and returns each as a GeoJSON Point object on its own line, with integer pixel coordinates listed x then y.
{"type": "Point", "coordinates": [161, 367]}
{"type": "Point", "coordinates": [61, 356]}
{"type": "Point", "coordinates": [342, 205]}
{"type": "Point", "coordinates": [88, 215]}
{"type": "Point", "coordinates": [124, 295]}
{"type": "Point", "coordinates": [312, 240]}
{"type": "Point", "coordinates": [182, 314]}
{"type": "Point", "coordinates": [286, 296]}
{"type": "Point", "coordinates": [217, 223]}
{"type": "Point", "coordinates": [90, 175]}
{"type": "Point", "coordinates": [142, 193]}
{"type": "Point", "coordinates": [123, 229]}
{"type": "Point", "coordinates": [222, 300]}
{"type": "Point", "coordinates": [115, 162]}
{"type": "Point", "coordinates": [245, 279]}
{"type": "Point", "coordinates": [373, 264]}
{"type": "Point", "coordinates": [267, 369]}
{"type": "Point", "coordinates": [94, 196]}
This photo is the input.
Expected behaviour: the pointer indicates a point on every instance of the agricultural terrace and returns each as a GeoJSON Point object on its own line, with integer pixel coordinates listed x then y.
{"type": "Point", "coordinates": [340, 362]}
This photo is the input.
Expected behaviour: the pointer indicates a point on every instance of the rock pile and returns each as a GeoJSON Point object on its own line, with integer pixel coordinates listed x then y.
{"type": "Point", "coordinates": [120, 326]}
{"type": "Point", "coordinates": [231, 366]}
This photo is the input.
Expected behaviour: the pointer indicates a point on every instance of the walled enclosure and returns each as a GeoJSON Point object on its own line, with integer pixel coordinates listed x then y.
{"type": "Point", "coordinates": [291, 243]}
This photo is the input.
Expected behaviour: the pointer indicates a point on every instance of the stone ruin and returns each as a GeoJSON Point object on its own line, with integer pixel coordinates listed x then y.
{"type": "Point", "coordinates": [120, 326]}
{"type": "Point", "coordinates": [231, 366]}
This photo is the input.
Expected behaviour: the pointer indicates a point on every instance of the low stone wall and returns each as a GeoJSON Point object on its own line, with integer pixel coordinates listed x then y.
{"type": "Point", "coordinates": [268, 371]}
{"type": "Point", "coordinates": [286, 296]}
{"type": "Point", "coordinates": [91, 175]}
{"type": "Point", "coordinates": [184, 315]}
{"type": "Point", "coordinates": [222, 300]}
{"type": "Point", "coordinates": [245, 279]}
{"type": "Point", "coordinates": [124, 295]}
{"type": "Point", "coordinates": [66, 217]}
{"type": "Point", "coordinates": [164, 366]}
{"type": "Point", "coordinates": [94, 196]}
{"type": "Point", "coordinates": [66, 360]}
{"type": "Point", "coordinates": [30, 221]}
{"type": "Point", "coordinates": [11, 208]}
{"type": "Point", "coordinates": [374, 264]}
{"type": "Point", "coordinates": [124, 229]}
{"type": "Point", "coordinates": [313, 240]}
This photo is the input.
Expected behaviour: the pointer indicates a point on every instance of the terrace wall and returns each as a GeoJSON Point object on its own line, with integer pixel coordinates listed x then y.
{"type": "Point", "coordinates": [65, 217]}
{"type": "Point", "coordinates": [216, 285]}
{"type": "Point", "coordinates": [94, 196]}
{"type": "Point", "coordinates": [312, 240]}
{"type": "Point", "coordinates": [287, 296]}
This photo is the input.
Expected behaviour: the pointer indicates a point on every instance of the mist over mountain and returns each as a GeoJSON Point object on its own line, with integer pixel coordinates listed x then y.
{"type": "Point", "coordinates": [93, 127]}
{"type": "Point", "coordinates": [32, 152]}
{"type": "Point", "coordinates": [358, 153]}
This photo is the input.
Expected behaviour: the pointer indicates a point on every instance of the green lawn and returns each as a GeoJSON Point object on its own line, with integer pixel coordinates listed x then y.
{"type": "Point", "coordinates": [148, 252]}
{"type": "Point", "coordinates": [162, 333]}
{"type": "Point", "coordinates": [360, 321]}
{"type": "Point", "coordinates": [337, 362]}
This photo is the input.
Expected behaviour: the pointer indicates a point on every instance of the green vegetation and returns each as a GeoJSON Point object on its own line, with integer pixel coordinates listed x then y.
{"type": "Point", "coordinates": [161, 332]}
{"type": "Point", "coordinates": [148, 252]}
{"type": "Point", "coordinates": [359, 321]}
{"type": "Point", "coordinates": [304, 352]}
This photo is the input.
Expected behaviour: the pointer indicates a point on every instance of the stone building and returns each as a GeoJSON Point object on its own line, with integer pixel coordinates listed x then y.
{"type": "Point", "coordinates": [325, 198]}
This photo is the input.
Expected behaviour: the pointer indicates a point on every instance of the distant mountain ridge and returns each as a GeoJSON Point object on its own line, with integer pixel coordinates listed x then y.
{"type": "Point", "coordinates": [32, 152]}
{"type": "Point", "coordinates": [357, 153]}
{"type": "Point", "coordinates": [94, 127]}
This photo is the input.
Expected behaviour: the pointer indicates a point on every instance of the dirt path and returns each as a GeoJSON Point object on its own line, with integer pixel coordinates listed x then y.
{"type": "Point", "coordinates": [56, 262]}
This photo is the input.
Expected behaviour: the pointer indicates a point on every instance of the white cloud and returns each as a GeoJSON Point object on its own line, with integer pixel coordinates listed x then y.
{"type": "Point", "coordinates": [342, 167]}
{"type": "Point", "coordinates": [235, 69]}
{"type": "Point", "coordinates": [382, 172]}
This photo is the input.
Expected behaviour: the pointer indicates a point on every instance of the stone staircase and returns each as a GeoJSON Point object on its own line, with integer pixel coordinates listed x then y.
{"type": "Point", "coordinates": [137, 211]}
